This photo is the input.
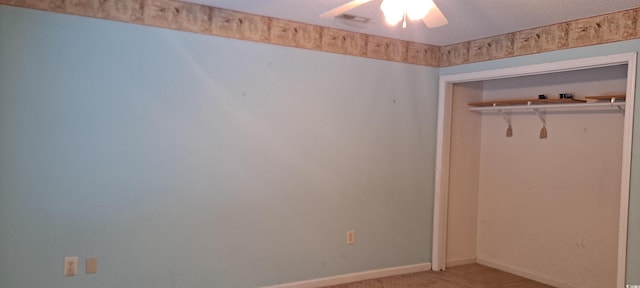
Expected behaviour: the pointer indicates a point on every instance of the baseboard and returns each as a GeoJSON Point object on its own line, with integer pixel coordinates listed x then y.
{"type": "Point", "coordinates": [460, 261]}
{"type": "Point", "coordinates": [525, 274]}
{"type": "Point", "coordinates": [355, 277]}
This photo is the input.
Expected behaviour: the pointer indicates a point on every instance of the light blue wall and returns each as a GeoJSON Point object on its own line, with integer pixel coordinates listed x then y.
{"type": "Point", "coordinates": [633, 252]}
{"type": "Point", "coordinates": [185, 160]}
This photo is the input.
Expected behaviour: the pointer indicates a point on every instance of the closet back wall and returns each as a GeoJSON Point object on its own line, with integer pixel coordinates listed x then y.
{"type": "Point", "coordinates": [550, 207]}
{"type": "Point", "coordinates": [185, 160]}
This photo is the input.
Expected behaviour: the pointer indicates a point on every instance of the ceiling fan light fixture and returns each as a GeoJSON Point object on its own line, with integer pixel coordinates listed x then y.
{"type": "Point", "coordinates": [395, 10]}
{"type": "Point", "coordinates": [393, 19]}
{"type": "Point", "coordinates": [398, 10]}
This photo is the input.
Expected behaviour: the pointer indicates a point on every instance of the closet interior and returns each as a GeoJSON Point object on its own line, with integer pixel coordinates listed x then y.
{"type": "Point", "coordinates": [534, 180]}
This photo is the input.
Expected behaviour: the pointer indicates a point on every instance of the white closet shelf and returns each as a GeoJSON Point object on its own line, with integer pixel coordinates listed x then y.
{"type": "Point", "coordinates": [543, 104]}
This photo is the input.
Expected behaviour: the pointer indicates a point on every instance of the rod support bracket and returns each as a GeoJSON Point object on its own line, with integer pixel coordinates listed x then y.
{"type": "Point", "coordinates": [505, 116]}
{"type": "Point", "coordinates": [540, 116]}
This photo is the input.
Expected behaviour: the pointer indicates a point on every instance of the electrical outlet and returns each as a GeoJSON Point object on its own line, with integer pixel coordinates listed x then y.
{"type": "Point", "coordinates": [70, 266]}
{"type": "Point", "coordinates": [351, 237]}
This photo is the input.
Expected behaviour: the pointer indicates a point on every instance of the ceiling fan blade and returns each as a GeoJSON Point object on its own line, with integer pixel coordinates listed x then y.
{"type": "Point", "coordinates": [343, 8]}
{"type": "Point", "coordinates": [435, 18]}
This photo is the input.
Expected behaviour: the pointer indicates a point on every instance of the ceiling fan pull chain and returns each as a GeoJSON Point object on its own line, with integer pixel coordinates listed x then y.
{"type": "Point", "coordinates": [404, 20]}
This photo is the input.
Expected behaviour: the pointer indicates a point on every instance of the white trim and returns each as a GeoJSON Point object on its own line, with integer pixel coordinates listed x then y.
{"type": "Point", "coordinates": [544, 68]}
{"type": "Point", "coordinates": [442, 149]}
{"type": "Point", "coordinates": [440, 201]}
{"type": "Point", "coordinates": [627, 143]}
{"type": "Point", "coordinates": [526, 274]}
{"type": "Point", "coordinates": [461, 261]}
{"type": "Point", "coordinates": [355, 277]}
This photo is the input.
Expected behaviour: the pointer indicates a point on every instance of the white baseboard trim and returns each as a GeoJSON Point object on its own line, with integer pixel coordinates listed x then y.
{"type": "Point", "coordinates": [355, 277]}
{"type": "Point", "coordinates": [460, 261]}
{"type": "Point", "coordinates": [525, 274]}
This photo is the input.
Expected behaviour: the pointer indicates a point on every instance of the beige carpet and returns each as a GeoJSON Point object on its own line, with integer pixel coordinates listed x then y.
{"type": "Point", "coordinates": [466, 276]}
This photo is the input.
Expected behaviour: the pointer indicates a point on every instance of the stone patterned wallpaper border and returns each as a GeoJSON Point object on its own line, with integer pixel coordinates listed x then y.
{"type": "Point", "coordinates": [231, 24]}
{"type": "Point", "coordinates": [618, 26]}
{"type": "Point", "coordinates": [202, 19]}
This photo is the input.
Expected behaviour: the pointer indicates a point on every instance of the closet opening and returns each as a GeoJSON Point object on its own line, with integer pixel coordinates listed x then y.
{"type": "Point", "coordinates": [533, 170]}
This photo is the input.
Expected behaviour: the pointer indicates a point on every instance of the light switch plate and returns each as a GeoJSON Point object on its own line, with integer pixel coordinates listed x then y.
{"type": "Point", "coordinates": [91, 266]}
{"type": "Point", "coordinates": [70, 266]}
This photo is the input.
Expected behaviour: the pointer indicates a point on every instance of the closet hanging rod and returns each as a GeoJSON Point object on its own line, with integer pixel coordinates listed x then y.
{"type": "Point", "coordinates": [549, 106]}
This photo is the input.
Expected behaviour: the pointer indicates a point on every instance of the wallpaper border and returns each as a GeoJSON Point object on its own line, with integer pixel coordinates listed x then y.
{"type": "Point", "coordinates": [196, 18]}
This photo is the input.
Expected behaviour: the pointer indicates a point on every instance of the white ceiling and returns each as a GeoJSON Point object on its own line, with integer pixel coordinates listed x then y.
{"type": "Point", "coordinates": [468, 19]}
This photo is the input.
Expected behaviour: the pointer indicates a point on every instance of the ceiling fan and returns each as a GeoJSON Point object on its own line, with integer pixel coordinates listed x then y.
{"type": "Point", "coordinates": [399, 10]}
